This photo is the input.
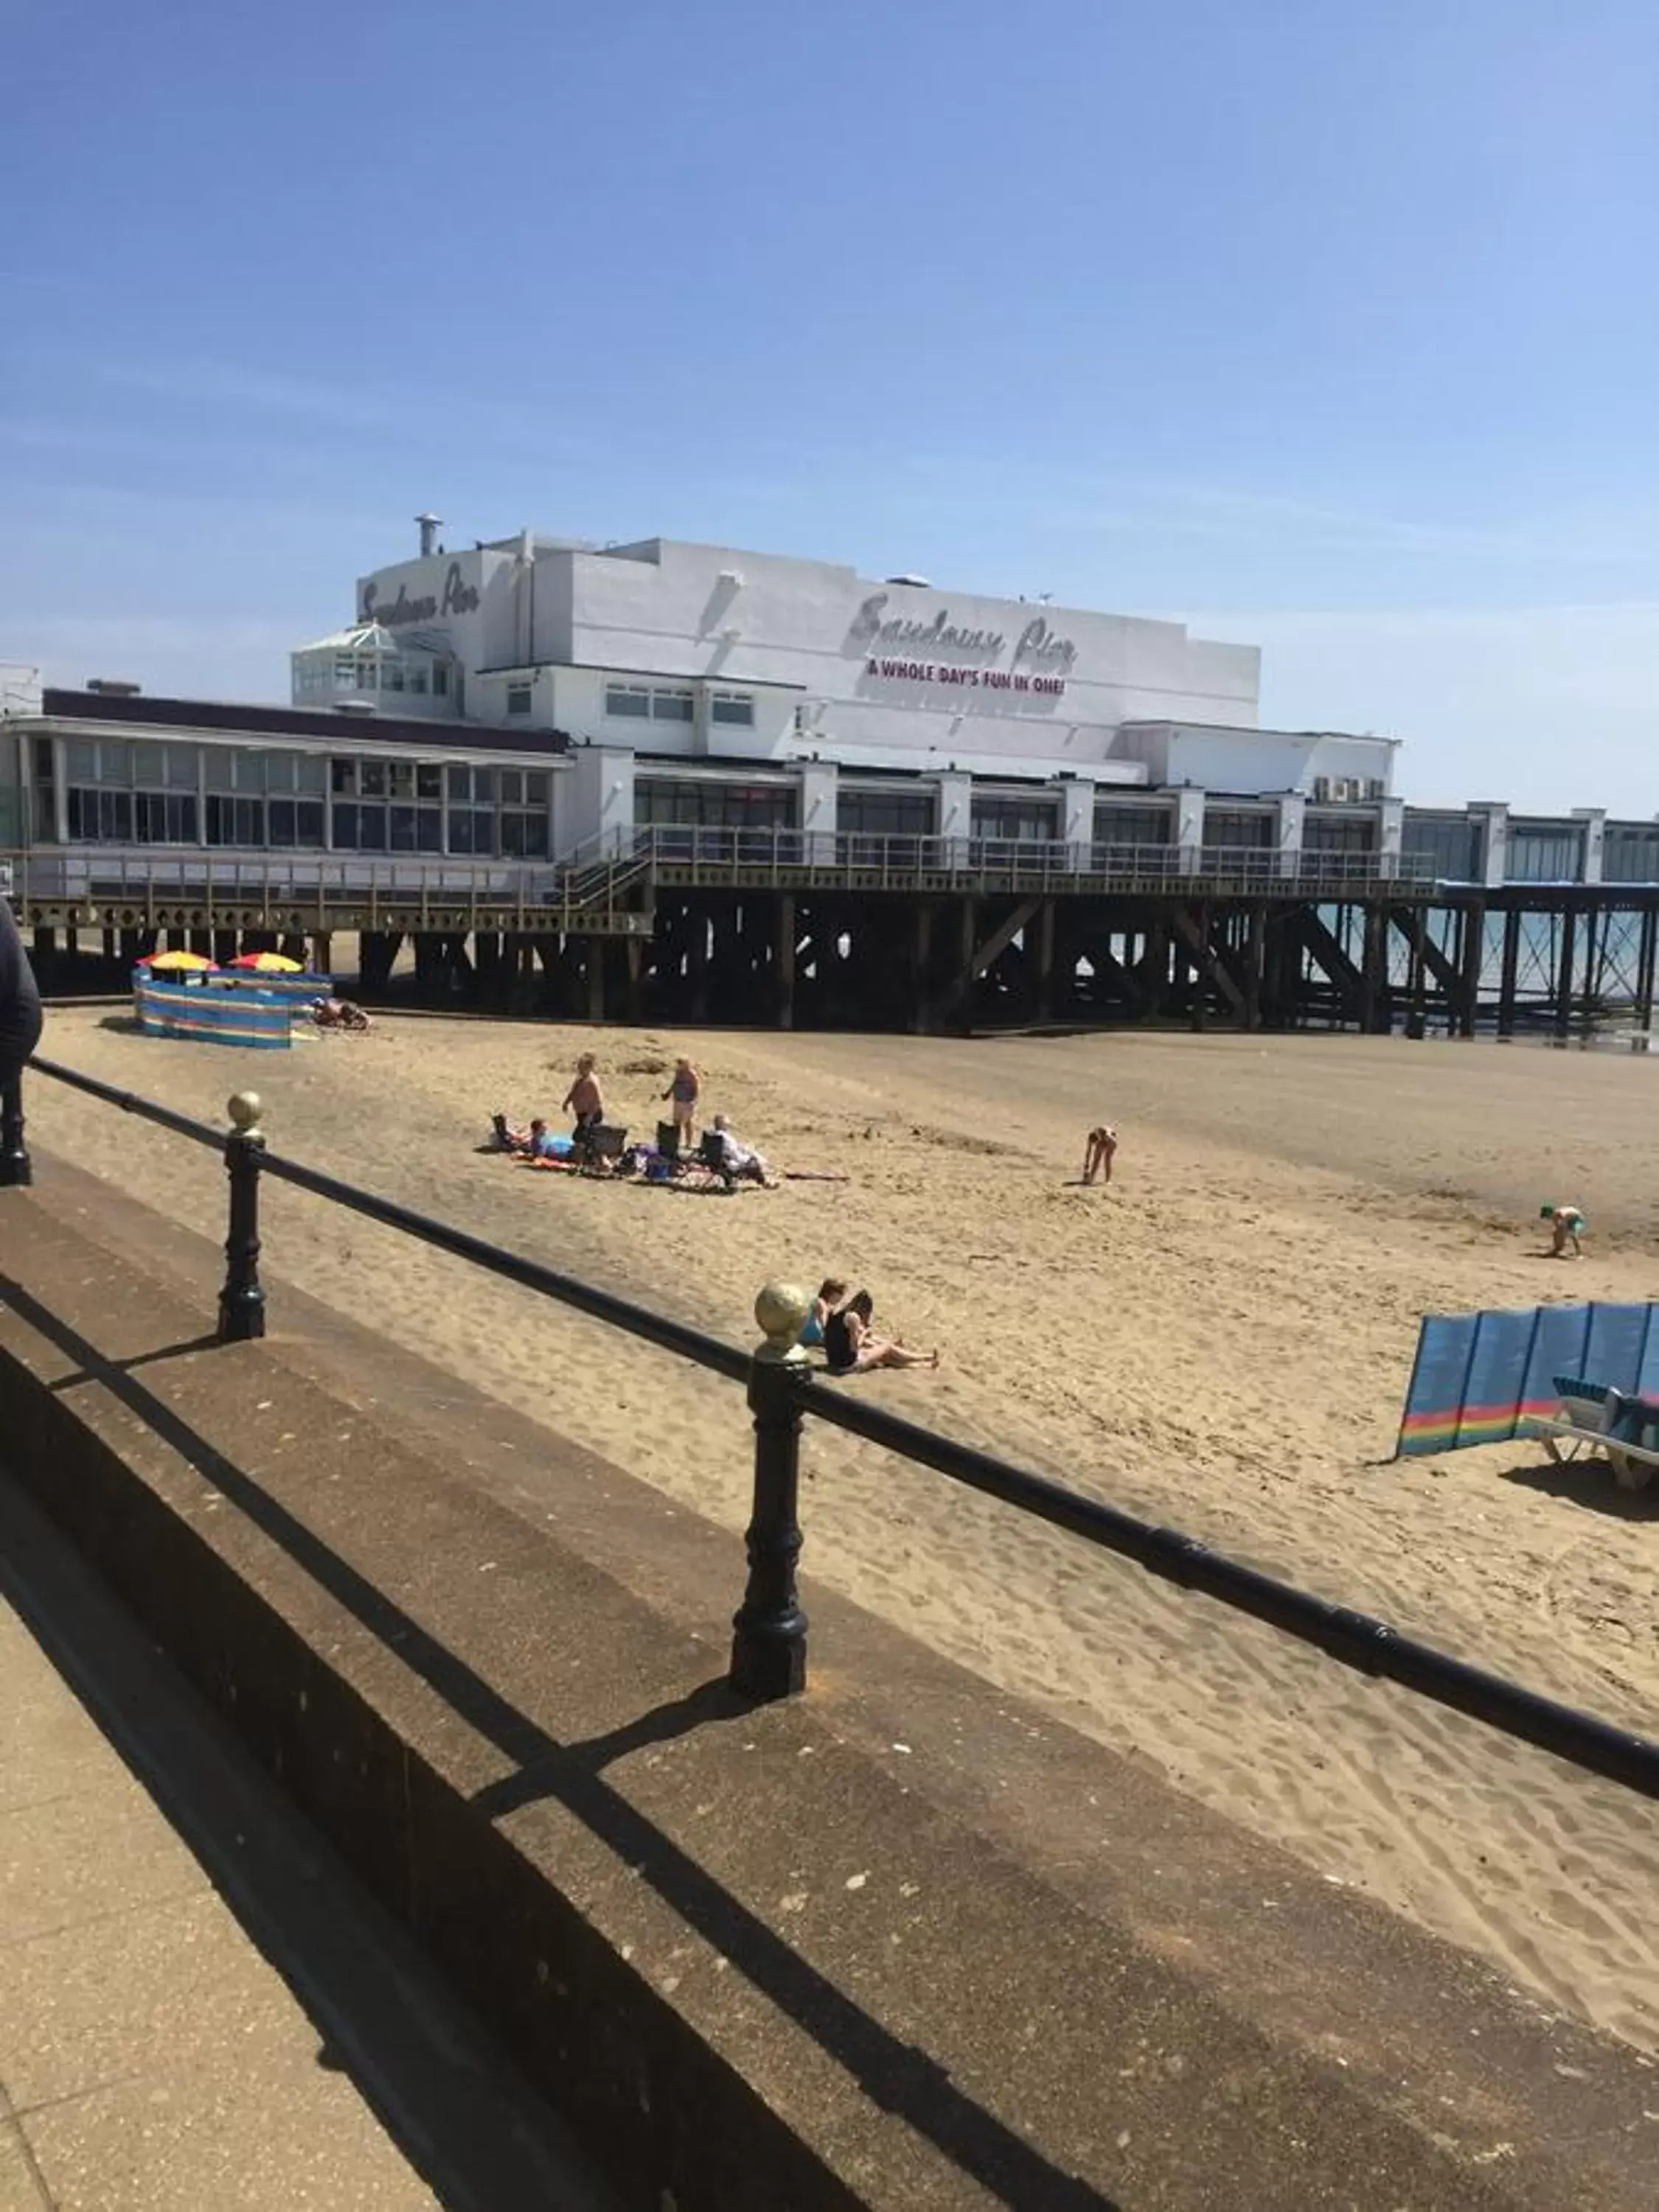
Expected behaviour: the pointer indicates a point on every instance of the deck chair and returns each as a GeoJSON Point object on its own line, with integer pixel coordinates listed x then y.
{"type": "Point", "coordinates": [1619, 1425]}
{"type": "Point", "coordinates": [668, 1140]}
{"type": "Point", "coordinates": [598, 1141]}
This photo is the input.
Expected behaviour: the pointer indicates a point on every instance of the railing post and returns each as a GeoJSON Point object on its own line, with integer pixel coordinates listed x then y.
{"type": "Point", "coordinates": [241, 1302]}
{"type": "Point", "coordinates": [768, 1644]}
{"type": "Point", "coordinates": [16, 1169]}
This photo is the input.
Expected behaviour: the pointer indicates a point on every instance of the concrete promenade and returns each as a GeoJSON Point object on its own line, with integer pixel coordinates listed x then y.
{"type": "Point", "coordinates": [152, 2056]}
{"type": "Point", "coordinates": [900, 1945]}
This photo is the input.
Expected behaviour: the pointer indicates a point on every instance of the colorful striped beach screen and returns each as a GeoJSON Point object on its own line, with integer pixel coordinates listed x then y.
{"type": "Point", "coordinates": [1477, 1376]}
{"type": "Point", "coordinates": [189, 1010]}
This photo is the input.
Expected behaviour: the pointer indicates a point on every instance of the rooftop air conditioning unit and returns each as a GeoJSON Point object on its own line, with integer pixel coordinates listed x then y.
{"type": "Point", "coordinates": [113, 687]}
{"type": "Point", "coordinates": [1375, 788]}
{"type": "Point", "coordinates": [1321, 789]}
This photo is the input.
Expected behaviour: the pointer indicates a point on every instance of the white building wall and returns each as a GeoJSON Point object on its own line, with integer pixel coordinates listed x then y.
{"type": "Point", "coordinates": [872, 674]}
{"type": "Point", "coordinates": [1595, 819]}
{"type": "Point", "coordinates": [1190, 829]}
{"type": "Point", "coordinates": [594, 801]}
{"type": "Point", "coordinates": [1254, 761]}
{"type": "Point", "coordinates": [1292, 820]}
{"type": "Point", "coordinates": [1009, 680]}
{"type": "Point", "coordinates": [818, 799]}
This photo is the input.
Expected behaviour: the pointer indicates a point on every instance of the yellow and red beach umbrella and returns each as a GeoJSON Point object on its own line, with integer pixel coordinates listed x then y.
{"type": "Point", "coordinates": [268, 964]}
{"type": "Point", "coordinates": [176, 964]}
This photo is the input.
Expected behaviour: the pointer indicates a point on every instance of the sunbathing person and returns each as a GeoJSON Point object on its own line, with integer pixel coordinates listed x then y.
{"type": "Point", "coordinates": [831, 1292]}
{"type": "Point", "coordinates": [737, 1158]}
{"type": "Point", "coordinates": [852, 1347]}
{"type": "Point", "coordinates": [535, 1143]}
{"type": "Point", "coordinates": [1097, 1154]}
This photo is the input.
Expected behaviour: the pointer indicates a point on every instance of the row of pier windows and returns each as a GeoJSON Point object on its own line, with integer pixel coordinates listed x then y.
{"type": "Point", "coordinates": [126, 793]}
{"type": "Point", "coordinates": [139, 790]}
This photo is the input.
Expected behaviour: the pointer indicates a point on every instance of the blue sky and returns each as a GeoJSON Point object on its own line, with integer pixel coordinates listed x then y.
{"type": "Point", "coordinates": [1331, 327]}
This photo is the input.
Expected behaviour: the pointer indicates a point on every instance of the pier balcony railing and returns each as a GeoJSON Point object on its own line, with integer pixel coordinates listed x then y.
{"type": "Point", "coordinates": [170, 886]}
{"type": "Point", "coordinates": [699, 854]}
{"type": "Point", "coordinates": [607, 882]}
{"type": "Point", "coordinates": [769, 1628]}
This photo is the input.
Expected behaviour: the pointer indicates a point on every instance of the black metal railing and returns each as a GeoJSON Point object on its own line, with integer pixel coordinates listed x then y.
{"type": "Point", "coordinates": [768, 1655]}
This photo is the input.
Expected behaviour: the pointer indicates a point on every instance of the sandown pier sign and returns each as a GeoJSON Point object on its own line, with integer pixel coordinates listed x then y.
{"type": "Point", "coordinates": [456, 598]}
{"type": "Point", "coordinates": [936, 650]}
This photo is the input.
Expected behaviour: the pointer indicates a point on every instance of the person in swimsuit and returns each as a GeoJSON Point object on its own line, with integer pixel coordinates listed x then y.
{"type": "Point", "coordinates": [852, 1347]}
{"type": "Point", "coordinates": [1567, 1225]}
{"type": "Point", "coordinates": [685, 1090]}
{"type": "Point", "coordinates": [1097, 1154]}
{"type": "Point", "coordinates": [831, 1291]}
{"type": "Point", "coordinates": [584, 1101]}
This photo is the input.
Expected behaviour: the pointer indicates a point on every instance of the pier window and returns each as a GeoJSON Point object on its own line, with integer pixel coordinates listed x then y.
{"type": "Point", "coordinates": [1630, 854]}
{"type": "Point", "coordinates": [734, 709]}
{"type": "Point", "coordinates": [1133, 825]}
{"type": "Point", "coordinates": [519, 697]}
{"type": "Point", "coordinates": [1233, 828]}
{"type": "Point", "coordinates": [1450, 848]}
{"type": "Point", "coordinates": [673, 705]}
{"type": "Point", "coordinates": [716, 820]}
{"type": "Point", "coordinates": [293, 822]}
{"type": "Point", "coordinates": [886, 813]}
{"type": "Point", "coordinates": [524, 813]}
{"type": "Point", "coordinates": [630, 703]}
{"type": "Point", "coordinates": [1339, 833]}
{"type": "Point", "coordinates": [119, 792]}
{"type": "Point", "coordinates": [1007, 819]}
{"type": "Point", "coordinates": [885, 827]}
{"type": "Point", "coordinates": [1545, 852]}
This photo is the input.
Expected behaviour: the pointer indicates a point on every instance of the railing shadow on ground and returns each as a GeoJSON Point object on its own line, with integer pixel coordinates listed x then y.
{"type": "Point", "coordinates": [459, 2110]}
{"type": "Point", "coordinates": [897, 2076]}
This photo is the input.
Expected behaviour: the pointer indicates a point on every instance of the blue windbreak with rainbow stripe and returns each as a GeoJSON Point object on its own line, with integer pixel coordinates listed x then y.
{"type": "Point", "coordinates": [1477, 1377]}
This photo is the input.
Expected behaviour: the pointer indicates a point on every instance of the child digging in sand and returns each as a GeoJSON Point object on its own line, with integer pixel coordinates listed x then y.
{"type": "Point", "coordinates": [1567, 1227]}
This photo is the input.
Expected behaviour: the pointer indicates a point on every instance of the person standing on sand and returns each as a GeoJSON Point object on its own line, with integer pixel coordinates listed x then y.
{"type": "Point", "coordinates": [1097, 1153]}
{"type": "Point", "coordinates": [685, 1090]}
{"type": "Point", "coordinates": [584, 1101]}
{"type": "Point", "coordinates": [19, 1000]}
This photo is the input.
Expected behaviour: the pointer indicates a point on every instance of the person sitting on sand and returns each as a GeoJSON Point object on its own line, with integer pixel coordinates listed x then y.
{"type": "Point", "coordinates": [685, 1090]}
{"type": "Point", "coordinates": [1097, 1154]}
{"type": "Point", "coordinates": [852, 1347]}
{"type": "Point", "coordinates": [536, 1143]}
{"type": "Point", "coordinates": [1567, 1225]}
{"type": "Point", "coordinates": [738, 1159]}
{"type": "Point", "coordinates": [831, 1291]}
{"type": "Point", "coordinates": [584, 1101]}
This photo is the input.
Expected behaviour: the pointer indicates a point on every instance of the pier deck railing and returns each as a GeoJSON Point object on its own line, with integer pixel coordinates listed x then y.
{"type": "Point", "coordinates": [768, 1651]}
{"type": "Point", "coordinates": [601, 886]}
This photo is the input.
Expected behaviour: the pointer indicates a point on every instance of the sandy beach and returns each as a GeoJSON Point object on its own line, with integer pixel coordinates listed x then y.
{"type": "Point", "coordinates": [1220, 1341]}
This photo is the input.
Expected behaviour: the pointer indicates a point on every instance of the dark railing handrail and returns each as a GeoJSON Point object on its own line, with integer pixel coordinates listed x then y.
{"type": "Point", "coordinates": [1355, 1639]}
